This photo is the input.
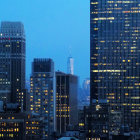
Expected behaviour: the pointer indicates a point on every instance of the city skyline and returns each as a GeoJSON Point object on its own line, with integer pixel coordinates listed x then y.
{"type": "Point", "coordinates": [54, 26]}
{"type": "Point", "coordinates": [70, 70]}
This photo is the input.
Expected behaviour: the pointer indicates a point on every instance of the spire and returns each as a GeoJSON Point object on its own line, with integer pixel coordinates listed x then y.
{"type": "Point", "coordinates": [70, 51]}
{"type": "Point", "coordinates": [70, 63]}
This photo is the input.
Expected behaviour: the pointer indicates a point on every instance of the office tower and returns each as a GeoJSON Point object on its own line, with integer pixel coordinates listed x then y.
{"type": "Point", "coordinates": [86, 89]}
{"type": "Point", "coordinates": [66, 101]}
{"type": "Point", "coordinates": [42, 90]}
{"type": "Point", "coordinates": [115, 57]}
{"type": "Point", "coordinates": [70, 65]}
{"type": "Point", "coordinates": [12, 62]}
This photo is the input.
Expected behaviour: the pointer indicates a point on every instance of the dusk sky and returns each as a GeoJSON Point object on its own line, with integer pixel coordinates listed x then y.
{"type": "Point", "coordinates": [52, 27]}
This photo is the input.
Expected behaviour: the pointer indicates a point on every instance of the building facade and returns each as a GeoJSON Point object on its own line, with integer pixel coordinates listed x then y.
{"type": "Point", "coordinates": [12, 62]}
{"type": "Point", "coordinates": [12, 122]}
{"type": "Point", "coordinates": [115, 57]}
{"type": "Point", "coordinates": [34, 126]}
{"type": "Point", "coordinates": [66, 101]}
{"type": "Point", "coordinates": [42, 93]}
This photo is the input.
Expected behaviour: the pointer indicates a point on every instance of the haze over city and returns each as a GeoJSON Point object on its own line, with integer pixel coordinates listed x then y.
{"type": "Point", "coordinates": [52, 27]}
{"type": "Point", "coordinates": [70, 70]}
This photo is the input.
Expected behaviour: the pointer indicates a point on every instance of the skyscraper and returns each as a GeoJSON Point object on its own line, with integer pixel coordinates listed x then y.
{"type": "Point", "coordinates": [115, 57]}
{"type": "Point", "coordinates": [66, 101]}
{"type": "Point", "coordinates": [42, 90]}
{"type": "Point", "coordinates": [12, 62]}
{"type": "Point", "coordinates": [70, 65]}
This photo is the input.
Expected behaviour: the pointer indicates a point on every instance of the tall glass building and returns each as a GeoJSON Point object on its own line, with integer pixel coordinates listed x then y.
{"type": "Point", "coordinates": [12, 62]}
{"type": "Point", "coordinates": [42, 91]}
{"type": "Point", "coordinates": [115, 57]}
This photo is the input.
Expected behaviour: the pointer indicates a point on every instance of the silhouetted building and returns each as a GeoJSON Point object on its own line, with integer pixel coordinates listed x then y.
{"type": "Point", "coordinates": [83, 119]}
{"type": "Point", "coordinates": [12, 62]}
{"type": "Point", "coordinates": [42, 93]}
{"type": "Point", "coordinates": [28, 103]}
{"type": "Point", "coordinates": [12, 122]}
{"type": "Point", "coordinates": [66, 101]}
{"type": "Point", "coordinates": [114, 57]}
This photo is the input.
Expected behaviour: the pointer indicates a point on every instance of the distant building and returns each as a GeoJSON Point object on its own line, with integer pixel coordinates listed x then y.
{"type": "Point", "coordinates": [86, 86]}
{"type": "Point", "coordinates": [70, 65]}
{"type": "Point", "coordinates": [28, 85]}
{"type": "Point", "coordinates": [12, 62]}
{"type": "Point", "coordinates": [42, 91]}
{"type": "Point", "coordinates": [66, 101]}
{"type": "Point", "coordinates": [84, 94]}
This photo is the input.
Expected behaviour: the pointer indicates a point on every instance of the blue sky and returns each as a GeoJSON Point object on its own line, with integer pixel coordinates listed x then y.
{"type": "Point", "coordinates": [52, 26]}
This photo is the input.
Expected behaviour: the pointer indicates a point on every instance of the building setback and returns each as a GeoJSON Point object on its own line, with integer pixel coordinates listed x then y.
{"type": "Point", "coordinates": [12, 62]}
{"type": "Point", "coordinates": [42, 90]}
{"type": "Point", "coordinates": [66, 101]}
{"type": "Point", "coordinates": [115, 57]}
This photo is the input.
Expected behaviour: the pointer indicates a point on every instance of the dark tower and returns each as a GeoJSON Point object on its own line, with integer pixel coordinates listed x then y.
{"type": "Point", "coordinates": [66, 101]}
{"type": "Point", "coordinates": [115, 57]}
{"type": "Point", "coordinates": [12, 62]}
